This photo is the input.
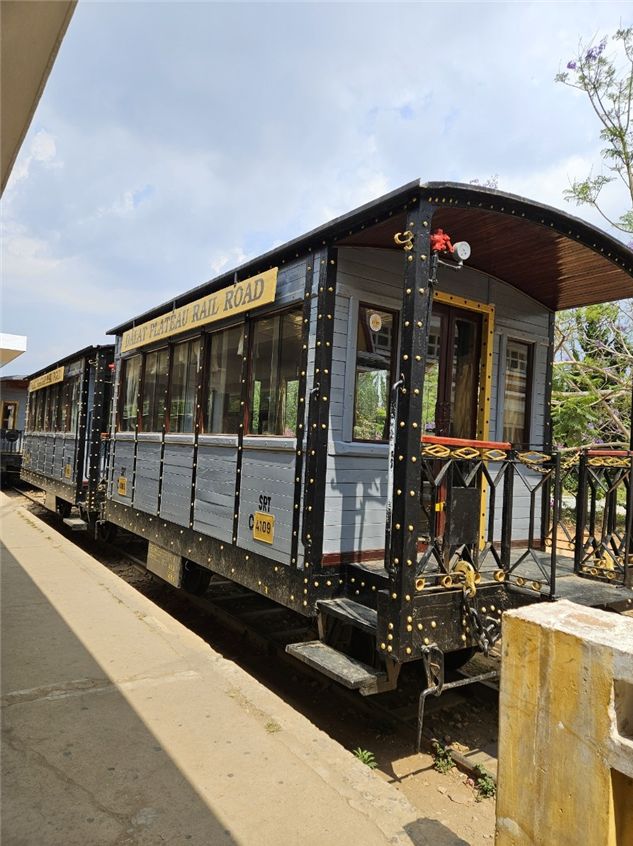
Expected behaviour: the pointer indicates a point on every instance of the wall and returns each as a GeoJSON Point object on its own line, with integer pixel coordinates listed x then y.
{"type": "Point", "coordinates": [565, 772]}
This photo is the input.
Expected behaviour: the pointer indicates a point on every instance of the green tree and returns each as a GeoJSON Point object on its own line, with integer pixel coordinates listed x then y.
{"type": "Point", "coordinates": [591, 395]}
{"type": "Point", "coordinates": [607, 80]}
{"type": "Point", "coordinates": [591, 399]}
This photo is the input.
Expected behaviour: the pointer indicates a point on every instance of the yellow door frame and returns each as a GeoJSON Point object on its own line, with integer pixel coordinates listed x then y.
{"type": "Point", "coordinates": [485, 383]}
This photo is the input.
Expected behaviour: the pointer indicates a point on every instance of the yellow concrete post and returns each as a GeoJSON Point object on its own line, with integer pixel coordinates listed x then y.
{"type": "Point", "coordinates": [565, 774]}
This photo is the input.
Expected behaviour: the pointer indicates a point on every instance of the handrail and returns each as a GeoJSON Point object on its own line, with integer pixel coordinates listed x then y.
{"type": "Point", "coordinates": [465, 442]}
{"type": "Point", "coordinates": [613, 453]}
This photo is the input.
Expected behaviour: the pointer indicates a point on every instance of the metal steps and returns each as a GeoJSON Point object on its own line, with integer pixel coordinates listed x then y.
{"type": "Point", "coordinates": [76, 524]}
{"type": "Point", "coordinates": [350, 612]}
{"type": "Point", "coordinates": [340, 667]}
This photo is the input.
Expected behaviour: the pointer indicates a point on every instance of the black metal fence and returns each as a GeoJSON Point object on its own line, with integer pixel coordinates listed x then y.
{"type": "Point", "coordinates": [11, 440]}
{"type": "Point", "coordinates": [493, 512]}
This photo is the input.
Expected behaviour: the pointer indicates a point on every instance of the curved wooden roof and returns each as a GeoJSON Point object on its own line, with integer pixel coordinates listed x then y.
{"type": "Point", "coordinates": [560, 260]}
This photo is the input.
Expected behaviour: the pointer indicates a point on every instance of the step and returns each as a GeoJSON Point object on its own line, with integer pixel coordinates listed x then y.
{"type": "Point", "coordinates": [336, 665]}
{"type": "Point", "coordinates": [353, 613]}
{"type": "Point", "coordinates": [76, 524]}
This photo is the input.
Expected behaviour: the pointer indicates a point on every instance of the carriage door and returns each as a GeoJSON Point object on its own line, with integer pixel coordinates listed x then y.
{"type": "Point", "coordinates": [451, 381]}
{"type": "Point", "coordinates": [450, 402]}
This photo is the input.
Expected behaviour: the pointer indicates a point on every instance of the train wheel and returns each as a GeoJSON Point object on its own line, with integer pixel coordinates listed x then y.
{"type": "Point", "coordinates": [195, 579]}
{"type": "Point", "coordinates": [62, 507]}
{"type": "Point", "coordinates": [105, 532]}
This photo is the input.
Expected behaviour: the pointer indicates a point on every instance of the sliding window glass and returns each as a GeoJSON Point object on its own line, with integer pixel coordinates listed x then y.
{"type": "Point", "coordinates": [70, 404]}
{"type": "Point", "coordinates": [223, 412]}
{"type": "Point", "coordinates": [274, 388]}
{"type": "Point", "coordinates": [184, 379]}
{"type": "Point", "coordinates": [155, 381]}
{"type": "Point", "coordinates": [40, 398]}
{"type": "Point", "coordinates": [128, 416]}
{"type": "Point", "coordinates": [518, 388]}
{"type": "Point", "coordinates": [51, 406]}
{"type": "Point", "coordinates": [54, 407]}
{"type": "Point", "coordinates": [375, 351]}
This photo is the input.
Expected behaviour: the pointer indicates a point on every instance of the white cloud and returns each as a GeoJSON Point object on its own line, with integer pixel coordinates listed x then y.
{"type": "Point", "coordinates": [223, 261]}
{"type": "Point", "coordinates": [41, 149]}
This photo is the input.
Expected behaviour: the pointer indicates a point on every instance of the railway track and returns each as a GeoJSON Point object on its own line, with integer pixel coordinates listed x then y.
{"type": "Point", "coordinates": [252, 626]}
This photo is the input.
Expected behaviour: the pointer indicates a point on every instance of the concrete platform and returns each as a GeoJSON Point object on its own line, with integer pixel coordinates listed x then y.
{"type": "Point", "coordinates": [120, 726]}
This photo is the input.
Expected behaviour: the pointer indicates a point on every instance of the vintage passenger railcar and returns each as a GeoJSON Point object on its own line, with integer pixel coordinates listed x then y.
{"type": "Point", "coordinates": [13, 397]}
{"type": "Point", "coordinates": [357, 424]}
{"type": "Point", "coordinates": [66, 435]}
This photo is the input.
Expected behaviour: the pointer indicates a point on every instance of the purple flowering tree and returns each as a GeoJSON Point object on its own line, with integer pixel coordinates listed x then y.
{"type": "Point", "coordinates": [606, 77]}
{"type": "Point", "coordinates": [593, 365]}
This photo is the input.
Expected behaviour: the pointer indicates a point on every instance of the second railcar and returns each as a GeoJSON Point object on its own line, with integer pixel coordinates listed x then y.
{"type": "Point", "coordinates": [66, 434]}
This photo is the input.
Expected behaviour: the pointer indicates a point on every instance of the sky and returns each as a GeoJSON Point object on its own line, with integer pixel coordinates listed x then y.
{"type": "Point", "coordinates": [176, 140]}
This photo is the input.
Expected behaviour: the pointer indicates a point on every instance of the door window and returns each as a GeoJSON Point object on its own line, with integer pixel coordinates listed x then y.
{"type": "Point", "coordinates": [9, 415]}
{"type": "Point", "coordinates": [375, 352]}
{"type": "Point", "coordinates": [451, 380]}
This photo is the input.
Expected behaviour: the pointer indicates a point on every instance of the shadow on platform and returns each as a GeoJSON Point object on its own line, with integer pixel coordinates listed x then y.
{"type": "Point", "coordinates": [79, 766]}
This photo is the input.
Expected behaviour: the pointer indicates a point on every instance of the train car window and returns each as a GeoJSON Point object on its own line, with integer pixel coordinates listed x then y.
{"type": "Point", "coordinates": [517, 391]}
{"type": "Point", "coordinates": [182, 396]}
{"type": "Point", "coordinates": [128, 416]}
{"type": "Point", "coordinates": [49, 408]}
{"type": "Point", "coordinates": [274, 388]}
{"type": "Point", "coordinates": [39, 410]}
{"type": "Point", "coordinates": [53, 408]}
{"type": "Point", "coordinates": [223, 412]}
{"type": "Point", "coordinates": [75, 393]}
{"type": "Point", "coordinates": [375, 353]}
{"type": "Point", "coordinates": [155, 390]}
{"type": "Point", "coordinates": [69, 398]}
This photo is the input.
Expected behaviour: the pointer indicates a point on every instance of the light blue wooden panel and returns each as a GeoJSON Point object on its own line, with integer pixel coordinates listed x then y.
{"type": "Point", "coordinates": [177, 489]}
{"type": "Point", "coordinates": [215, 491]}
{"type": "Point", "coordinates": [123, 465]}
{"type": "Point", "coordinates": [69, 455]}
{"type": "Point", "coordinates": [268, 473]}
{"type": "Point", "coordinates": [147, 477]}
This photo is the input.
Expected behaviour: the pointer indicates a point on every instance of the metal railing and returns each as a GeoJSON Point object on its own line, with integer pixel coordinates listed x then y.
{"type": "Point", "coordinates": [11, 440]}
{"type": "Point", "coordinates": [604, 516]}
{"type": "Point", "coordinates": [493, 512]}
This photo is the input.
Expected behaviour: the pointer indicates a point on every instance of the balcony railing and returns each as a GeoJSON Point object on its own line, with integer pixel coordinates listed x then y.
{"type": "Point", "coordinates": [517, 516]}
{"type": "Point", "coordinates": [11, 440]}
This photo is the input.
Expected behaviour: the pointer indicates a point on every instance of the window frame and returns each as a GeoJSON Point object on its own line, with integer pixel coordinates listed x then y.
{"type": "Point", "coordinates": [529, 387]}
{"type": "Point", "coordinates": [205, 381]}
{"type": "Point", "coordinates": [122, 393]}
{"type": "Point", "coordinates": [298, 307]}
{"type": "Point", "coordinates": [195, 417]}
{"type": "Point", "coordinates": [142, 382]}
{"type": "Point", "coordinates": [395, 341]}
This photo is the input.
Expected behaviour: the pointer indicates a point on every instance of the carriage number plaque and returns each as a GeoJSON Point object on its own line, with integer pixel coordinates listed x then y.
{"type": "Point", "coordinates": [264, 527]}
